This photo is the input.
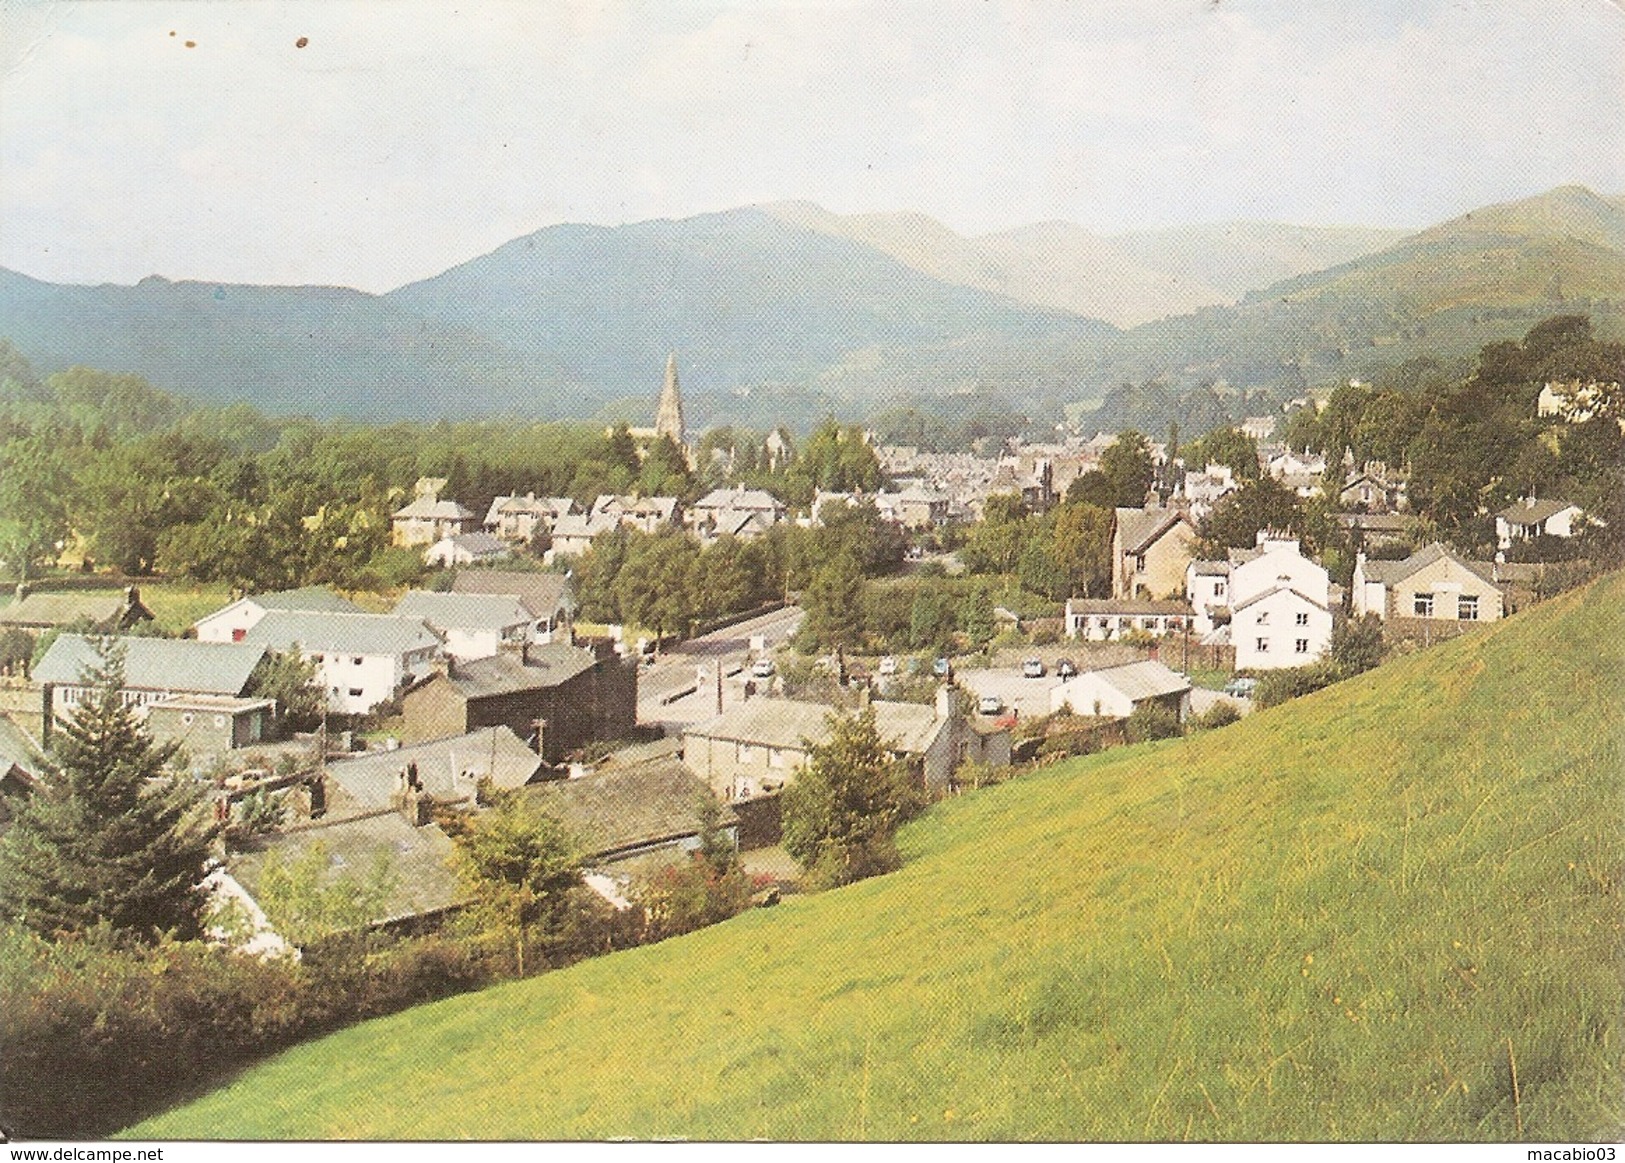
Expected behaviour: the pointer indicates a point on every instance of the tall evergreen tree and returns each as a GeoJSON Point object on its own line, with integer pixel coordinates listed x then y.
{"type": "Point", "coordinates": [111, 838]}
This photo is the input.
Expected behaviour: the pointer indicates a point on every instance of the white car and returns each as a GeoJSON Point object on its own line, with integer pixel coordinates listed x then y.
{"type": "Point", "coordinates": [888, 665]}
{"type": "Point", "coordinates": [762, 668]}
{"type": "Point", "coordinates": [990, 705]}
{"type": "Point", "coordinates": [1032, 668]}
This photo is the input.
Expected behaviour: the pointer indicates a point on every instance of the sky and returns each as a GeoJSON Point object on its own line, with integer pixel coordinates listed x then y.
{"type": "Point", "coordinates": [370, 144]}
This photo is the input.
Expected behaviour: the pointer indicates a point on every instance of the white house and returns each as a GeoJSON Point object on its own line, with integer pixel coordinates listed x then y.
{"type": "Point", "coordinates": [1204, 489]}
{"type": "Point", "coordinates": [1277, 561]}
{"type": "Point", "coordinates": [362, 659]}
{"type": "Point", "coordinates": [1116, 691]}
{"type": "Point", "coordinates": [547, 596]}
{"type": "Point", "coordinates": [1208, 585]}
{"type": "Point", "coordinates": [515, 518]}
{"type": "Point", "coordinates": [472, 625]}
{"type": "Point", "coordinates": [1108, 619]}
{"type": "Point", "coordinates": [232, 623]}
{"type": "Point", "coordinates": [1278, 628]}
{"type": "Point", "coordinates": [465, 549]}
{"type": "Point", "coordinates": [1530, 518]}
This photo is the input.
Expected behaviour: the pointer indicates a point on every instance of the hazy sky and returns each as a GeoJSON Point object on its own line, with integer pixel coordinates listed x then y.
{"type": "Point", "coordinates": [198, 140]}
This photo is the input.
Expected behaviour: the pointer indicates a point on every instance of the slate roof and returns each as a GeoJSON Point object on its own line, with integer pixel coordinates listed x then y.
{"type": "Point", "coordinates": [1142, 680]}
{"type": "Point", "coordinates": [372, 779]}
{"type": "Point", "coordinates": [1523, 513]}
{"type": "Point", "coordinates": [463, 611]}
{"type": "Point", "coordinates": [18, 749]}
{"type": "Point", "coordinates": [99, 607]}
{"type": "Point", "coordinates": [549, 507]}
{"type": "Point", "coordinates": [322, 633]}
{"type": "Point", "coordinates": [1390, 573]}
{"type": "Point", "coordinates": [1127, 606]}
{"type": "Point", "coordinates": [725, 498]}
{"type": "Point", "coordinates": [909, 727]}
{"type": "Point", "coordinates": [1140, 527]}
{"type": "Point", "coordinates": [1211, 568]}
{"type": "Point", "coordinates": [159, 664]}
{"type": "Point", "coordinates": [428, 507]}
{"type": "Point", "coordinates": [478, 543]}
{"type": "Point", "coordinates": [312, 598]}
{"type": "Point", "coordinates": [612, 812]}
{"type": "Point", "coordinates": [1261, 595]}
{"type": "Point", "coordinates": [542, 593]}
{"type": "Point", "coordinates": [419, 861]}
{"type": "Point", "coordinates": [505, 674]}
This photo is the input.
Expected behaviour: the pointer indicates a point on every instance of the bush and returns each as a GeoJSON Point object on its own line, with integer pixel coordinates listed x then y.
{"type": "Point", "coordinates": [1220, 714]}
{"type": "Point", "coordinates": [683, 897]}
{"type": "Point", "coordinates": [1277, 686]}
{"type": "Point", "coordinates": [1152, 721]}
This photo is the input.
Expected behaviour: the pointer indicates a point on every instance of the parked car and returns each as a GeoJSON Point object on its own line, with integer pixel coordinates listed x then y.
{"type": "Point", "coordinates": [1032, 668]}
{"type": "Point", "coordinates": [888, 666]}
{"type": "Point", "coordinates": [1066, 668]}
{"type": "Point", "coordinates": [990, 705]}
{"type": "Point", "coordinates": [1241, 688]}
{"type": "Point", "coordinates": [942, 668]}
{"type": "Point", "coordinates": [762, 668]}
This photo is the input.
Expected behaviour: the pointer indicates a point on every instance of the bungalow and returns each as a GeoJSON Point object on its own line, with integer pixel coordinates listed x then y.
{"type": "Point", "coordinates": [623, 813]}
{"type": "Point", "coordinates": [548, 597]}
{"type": "Point", "coordinates": [208, 726]}
{"type": "Point", "coordinates": [444, 770]}
{"type": "Point", "coordinates": [1108, 619]}
{"type": "Point", "coordinates": [1150, 550]}
{"type": "Point", "coordinates": [418, 885]}
{"type": "Point", "coordinates": [466, 549]}
{"type": "Point", "coordinates": [1431, 583]}
{"type": "Point", "coordinates": [1116, 692]}
{"type": "Point", "coordinates": [756, 747]}
{"type": "Point", "coordinates": [102, 611]}
{"type": "Point", "coordinates": [428, 519]}
{"type": "Point", "coordinates": [232, 623]}
{"type": "Point", "coordinates": [172, 672]}
{"type": "Point", "coordinates": [361, 659]}
{"type": "Point", "coordinates": [1530, 518]}
{"type": "Point", "coordinates": [557, 698]}
{"type": "Point", "coordinates": [472, 625]}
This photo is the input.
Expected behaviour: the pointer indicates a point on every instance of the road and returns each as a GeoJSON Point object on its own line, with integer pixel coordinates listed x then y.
{"type": "Point", "coordinates": [1030, 696]}
{"type": "Point", "coordinates": [673, 692]}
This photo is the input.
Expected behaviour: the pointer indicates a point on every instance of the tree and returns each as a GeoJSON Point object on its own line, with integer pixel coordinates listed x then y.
{"type": "Point", "coordinates": [1081, 543]}
{"type": "Point", "coordinates": [1357, 645]}
{"type": "Point", "coordinates": [1128, 470]}
{"type": "Point", "coordinates": [295, 686]}
{"type": "Point", "coordinates": [1227, 446]}
{"type": "Point", "coordinates": [522, 864]}
{"type": "Point", "coordinates": [845, 804]}
{"type": "Point", "coordinates": [1262, 504]}
{"type": "Point", "coordinates": [832, 601]}
{"type": "Point", "coordinates": [111, 838]}
{"type": "Point", "coordinates": [33, 518]}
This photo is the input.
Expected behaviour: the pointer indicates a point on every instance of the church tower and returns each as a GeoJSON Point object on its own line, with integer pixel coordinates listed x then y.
{"type": "Point", "coordinates": [669, 416]}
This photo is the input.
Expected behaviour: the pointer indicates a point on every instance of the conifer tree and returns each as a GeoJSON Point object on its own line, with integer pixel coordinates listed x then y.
{"type": "Point", "coordinates": [111, 838]}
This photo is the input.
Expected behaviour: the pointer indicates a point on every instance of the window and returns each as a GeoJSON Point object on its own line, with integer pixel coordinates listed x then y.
{"type": "Point", "coordinates": [238, 633]}
{"type": "Point", "coordinates": [1467, 608]}
{"type": "Point", "coordinates": [775, 757]}
{"type": "Point", "coordinates": [1422, 605]}
{"type": "Point", "coordinates": [1263, 646]}
{"type": "Point", "coordinates": [744, 753]}
{"type": "Point", "coordinates": [355, 692]}
{"type": "Point", "coordinates": [1264, 618]}
{"type": "Point", "coordinates": [317, 659]}
{"type": "Point", "coordinates": [1303, 619]}
{"type": "Point", "coordinates": [1301, 646]}
{"type": "Point", "coordinates": [219, 721]}
{"type": "Point", "coordinates": [358, 660]}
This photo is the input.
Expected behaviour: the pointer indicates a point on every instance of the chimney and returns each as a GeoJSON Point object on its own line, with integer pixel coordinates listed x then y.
{"type": "Point", "coordinates": [947, 701]}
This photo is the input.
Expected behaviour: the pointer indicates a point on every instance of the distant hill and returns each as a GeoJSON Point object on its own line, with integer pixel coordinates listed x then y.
{"type": "Point", "coordinates": [328, 351]}
{"type": "Point", "coordinates": [1485, 276]}
{"type": "Point", "coordinates": [786, 312]}
{"type": "Point", "coordinates": [1353, 917]}
{"type": "Point", "coordinates": [747, 299]}
{"type": "Point", "coordinates": [1126, 279]}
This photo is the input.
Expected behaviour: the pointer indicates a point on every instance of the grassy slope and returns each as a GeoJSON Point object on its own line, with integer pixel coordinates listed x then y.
{"type": "Point", "coordinates": [1332, 920]}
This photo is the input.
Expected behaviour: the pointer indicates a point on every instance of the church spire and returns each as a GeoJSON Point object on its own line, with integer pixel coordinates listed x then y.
{"type": "Point", "coordinates": [669, 416]}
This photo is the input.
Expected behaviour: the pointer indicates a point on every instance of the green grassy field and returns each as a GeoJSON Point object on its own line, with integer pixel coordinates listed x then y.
{"type": "Point", "coordinates": [175, 605]}
{"type": "Point", "coordinates": [1388, 911]}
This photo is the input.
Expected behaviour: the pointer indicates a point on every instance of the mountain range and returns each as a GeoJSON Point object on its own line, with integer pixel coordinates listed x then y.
{"type": "Point", "coordinates": [804, 310]}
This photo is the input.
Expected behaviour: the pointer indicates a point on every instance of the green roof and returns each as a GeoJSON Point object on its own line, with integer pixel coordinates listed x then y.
{"type": "Point", "coordinates": [464, 611]}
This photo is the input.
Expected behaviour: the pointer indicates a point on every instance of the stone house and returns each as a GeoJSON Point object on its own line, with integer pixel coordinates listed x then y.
{"type": "Point", "coordinates": [557, 698]}
{"type": "Point", "coordinates": [1432, 583]}
{"type": "Point", "coordinates": [1150, 550]}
